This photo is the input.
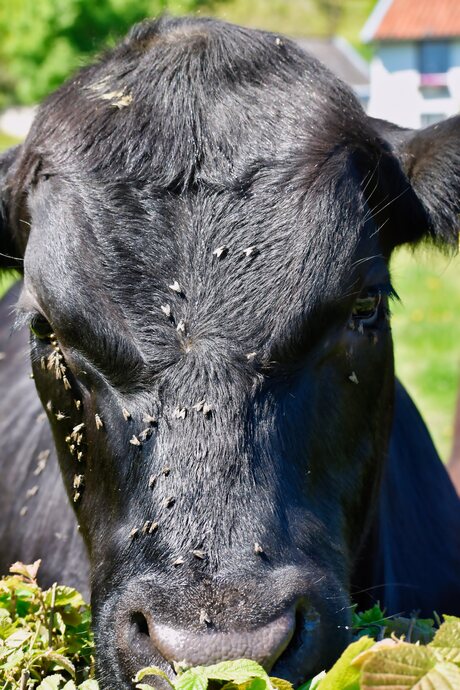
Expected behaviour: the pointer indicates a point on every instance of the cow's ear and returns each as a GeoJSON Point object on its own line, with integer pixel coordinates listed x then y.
{"type": "Point", "coordinates": [429, 189]}
{"type": "Point", "coordinates": [10, 256]}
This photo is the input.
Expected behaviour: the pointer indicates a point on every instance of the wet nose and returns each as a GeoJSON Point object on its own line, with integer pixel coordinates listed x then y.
{"type": "Point", "coordinates": [263, 644]}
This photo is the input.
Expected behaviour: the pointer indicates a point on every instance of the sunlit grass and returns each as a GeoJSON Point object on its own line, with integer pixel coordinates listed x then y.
{"type": "Point", "coordinates": [6, 141]}
{"type": "Point", "coordinates": [295, 17]}
{"type": "Point", "coordinates": [426, 328]}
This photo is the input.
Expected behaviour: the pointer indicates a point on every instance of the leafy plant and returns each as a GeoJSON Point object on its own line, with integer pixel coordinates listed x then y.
{"type": "Point", "coordinates": [46, 644]}
{"type": "Point", "coordinates": [45, 636]}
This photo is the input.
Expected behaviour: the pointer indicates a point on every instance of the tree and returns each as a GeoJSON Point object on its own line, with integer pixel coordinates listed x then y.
{"type": "Point", "coordinates": [43, 41]}
{"type": "Point", "coordinates": [332, 11]}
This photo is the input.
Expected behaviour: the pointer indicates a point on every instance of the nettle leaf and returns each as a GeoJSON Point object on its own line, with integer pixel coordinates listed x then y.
{"type": "Point", "coordinates": [413, 629]}
{"type": "Point", "coordinates": [193, 679]}
{"type": "Point", "coordinates": [408, 667]}
{"type": "Point", "coordinates": [13, 660]}
{"type": "Point", "coordinates": [89, 684]}
{"type": "Point", "coordinates": [70, 685]}
{"type": "Point", "coordinates": [256, 684]}
{"type": "Point", "coordinates": [53, 682]}
{"type": "Point", "coordinates": [64, 596]}
{"type": "Point", "coordinates": [281, 684]}
{"type": "Point", "coordinates": [447, 640]}
{"type": "Point", "coordinates": [344, 676]}
{"type": "Point", "coordinates": [151, 671]}
{"type": "Point", "coordinates": [360, 660]}
{"type": "Point", "coordinates": [313, 684]}
{"type": "Point", "coordinates": [375, 616]}
{"type": "Point", "coordinates": [17, 639]}
{"type": "Point", "coordinates": [144, 686]}
{"type": "Point", "coordinates": [238, 671]}
{"type": "Point", "coordinates": [27, 571]}
{"type": "Point", "coordinates": [61, 661]}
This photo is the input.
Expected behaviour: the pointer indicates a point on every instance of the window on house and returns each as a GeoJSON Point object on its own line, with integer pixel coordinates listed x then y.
{"type": "Point", "coordinates": [429, 92]}
{"type": "Point", "coordinates": [434, 57]}
{"type": "Point", "coordinates": [431, 118]}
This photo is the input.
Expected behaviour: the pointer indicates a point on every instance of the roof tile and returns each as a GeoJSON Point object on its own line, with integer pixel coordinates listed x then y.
{"type": "Point", "coordinates": [419, 19]}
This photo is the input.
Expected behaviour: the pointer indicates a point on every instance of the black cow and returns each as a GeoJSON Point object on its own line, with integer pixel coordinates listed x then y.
{"type": "Point", "coordinates": [204, 220]}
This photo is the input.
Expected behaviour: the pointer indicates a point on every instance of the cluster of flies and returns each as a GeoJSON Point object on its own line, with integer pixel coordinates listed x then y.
{"type": "Point", "coordinates": [76, 439]}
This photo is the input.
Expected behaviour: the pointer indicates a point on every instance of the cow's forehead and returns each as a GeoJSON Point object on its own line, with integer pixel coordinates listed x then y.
{"type": "Point", "coordinates": [248, 268]}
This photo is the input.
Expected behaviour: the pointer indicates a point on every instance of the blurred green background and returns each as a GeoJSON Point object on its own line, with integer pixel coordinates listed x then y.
{"type": "Point", "coordinates": [42, 41]}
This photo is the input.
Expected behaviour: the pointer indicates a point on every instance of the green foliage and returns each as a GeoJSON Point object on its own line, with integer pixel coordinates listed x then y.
{"type": "Point", "coordinates": [6, 141]}
{"type": "Point", "coordinates": [46, 644]}
{"type": "Point", "coordinates": [45, 636]}
{"type": "Point", "coordinates": [392, 663]}
{"type": "Point", "coordinates": [302, 17]}
{"type": "Point", "coordinates": [426, 333]}
{"type": "Point", "coordinates": [45, 40]}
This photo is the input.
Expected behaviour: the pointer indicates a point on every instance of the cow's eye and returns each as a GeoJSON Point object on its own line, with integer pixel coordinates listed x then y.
{"type": "Point", "coordinates": [40, 327]}
{"type": "Point", "coordinates": [366, 307]}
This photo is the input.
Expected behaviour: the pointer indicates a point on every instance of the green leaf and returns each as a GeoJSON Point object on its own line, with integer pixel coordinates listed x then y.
{"type": "Point", "coordinates": [239, 671]}
{"type": "Point", "coordinates": [343, 676]}
{"type": "Point", "coordinates": [408, 667]}
{"type": "Point", "coordinates": [151, 671]}
{"type": "Point", "coordinates": [70, 685]}
{"type": "Point", "coordinates": [89, 684]}
{"type": "Point", "coordinates": [18, 638]}
{"type": "Point", "coordinates": [144, 686]}
{"type": "Point", "coordinates": [65, 596]}
{"type": "Point", "coordinates": [281, 684]}
{"type": "Point", "coordinates": [194, 679]}
{"type": "Point", "coordinates": [447, 640]}
{"type": "Point", "coordinates": [27, 571]}
{"type": "Point", "coordinates": [313, 684]}
{"type": "Point", "coordinates": [51, 682]}
{"type": "Point", "coordinates": [256, 683]}
{"type": "Point", "coordinates": [375, 616]}
{"type": "Point", "coordinates": [413, 629]}
{"type": "Point", "coordinates": [61, 661]}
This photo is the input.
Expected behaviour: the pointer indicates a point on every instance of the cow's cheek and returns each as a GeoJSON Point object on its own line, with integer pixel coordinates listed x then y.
{"type": "Point", "coordinates": [354, 412]}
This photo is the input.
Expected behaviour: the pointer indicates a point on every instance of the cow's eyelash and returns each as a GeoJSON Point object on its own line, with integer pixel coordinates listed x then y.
{"type": "Point", "coordinates": [388, 290]}
{"type": "Point", "coordinates": [23, 317]}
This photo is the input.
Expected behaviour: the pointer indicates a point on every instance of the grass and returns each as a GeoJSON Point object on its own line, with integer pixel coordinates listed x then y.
{"type": "Point", "coordinates": [6, 141]}
{"type": "Point", "coordinates": [426, 331]}
{"type": "Point", "coordinates": [297, 17]}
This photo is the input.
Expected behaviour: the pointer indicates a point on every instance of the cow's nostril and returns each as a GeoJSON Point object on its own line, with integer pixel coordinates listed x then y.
{"type": "Point", "coordinates": [139, 623]}
{"type": "Point", "coordinates": [140, 637]}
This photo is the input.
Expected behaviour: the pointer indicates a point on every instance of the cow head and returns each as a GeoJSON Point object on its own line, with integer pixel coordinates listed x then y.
{"type": "Point", "coordinates": [204, 220]}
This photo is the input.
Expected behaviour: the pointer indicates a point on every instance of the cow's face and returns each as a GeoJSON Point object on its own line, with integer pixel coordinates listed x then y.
{"type": "Point", "coordinates": [207, 289]}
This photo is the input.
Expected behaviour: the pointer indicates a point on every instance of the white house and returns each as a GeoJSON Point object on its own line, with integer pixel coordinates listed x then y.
{"type": "Point", "coordinates": [342, 59]}
{"type": "Point", "coordinates": [415, 71]}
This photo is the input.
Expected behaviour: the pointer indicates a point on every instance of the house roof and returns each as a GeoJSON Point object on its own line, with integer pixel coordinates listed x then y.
{"type": "Point", "coordinates": [340, 57]}
{"type": "Point", "coordinates": [401, 20]}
